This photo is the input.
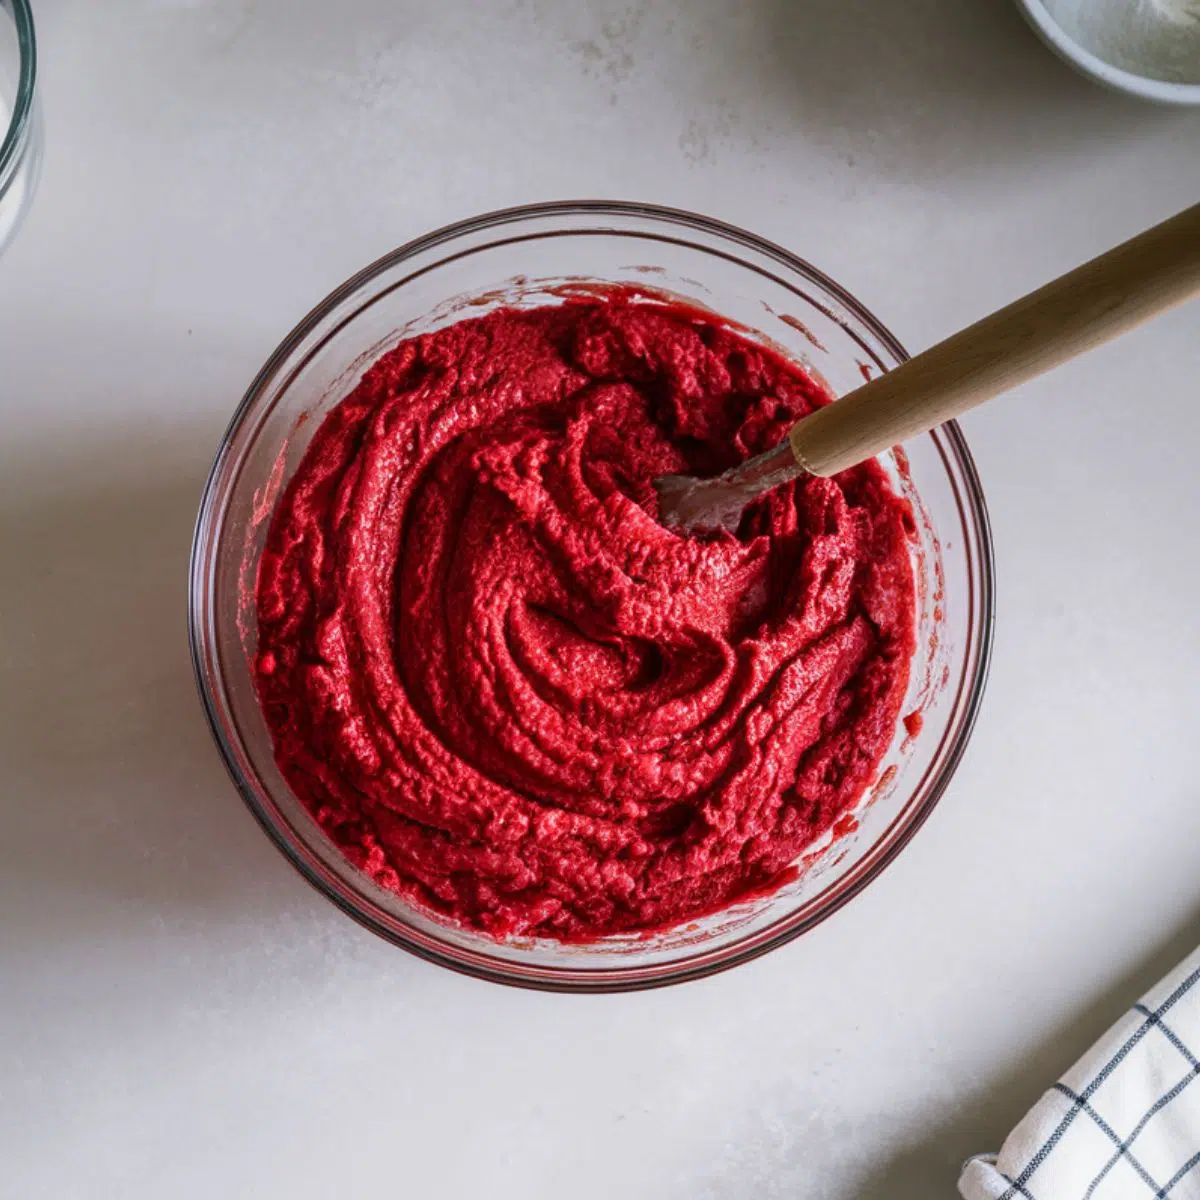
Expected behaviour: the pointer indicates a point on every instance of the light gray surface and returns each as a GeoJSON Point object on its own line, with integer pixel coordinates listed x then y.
{"type": "Point", "coordinates": [179, 1013]}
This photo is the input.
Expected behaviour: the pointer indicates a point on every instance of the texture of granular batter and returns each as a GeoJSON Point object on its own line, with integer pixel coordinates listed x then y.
{"type": "Point", "coordinates": [507, 693]}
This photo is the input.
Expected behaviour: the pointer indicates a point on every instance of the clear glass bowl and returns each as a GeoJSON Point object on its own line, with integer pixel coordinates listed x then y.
{"type": "Point", "coordinates": [528, 256]}
{"type": "Point", "coordinates": [20, 124]}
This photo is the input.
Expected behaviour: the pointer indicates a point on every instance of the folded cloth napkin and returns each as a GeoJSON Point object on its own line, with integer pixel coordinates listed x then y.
{"type": "Point", "coordinates": [1123, 1123]}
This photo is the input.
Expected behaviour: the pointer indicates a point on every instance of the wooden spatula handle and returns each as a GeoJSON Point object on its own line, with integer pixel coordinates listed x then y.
{"type": "Point", "coordinates": [1105, 297]}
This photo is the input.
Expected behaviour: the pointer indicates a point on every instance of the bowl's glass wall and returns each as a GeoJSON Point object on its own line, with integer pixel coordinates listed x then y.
{"type": "Point", "coordinates": [20, 125]}
{"type": "Point", "coordinates": [530, 257]}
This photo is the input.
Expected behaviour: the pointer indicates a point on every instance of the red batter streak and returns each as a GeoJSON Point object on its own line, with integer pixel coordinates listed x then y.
{"type": "Point", "coordinates": [506, 692]}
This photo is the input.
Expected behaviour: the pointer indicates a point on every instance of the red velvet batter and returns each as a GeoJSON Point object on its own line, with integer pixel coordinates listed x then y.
{"type": "Point", "coordinates": [507, 693]}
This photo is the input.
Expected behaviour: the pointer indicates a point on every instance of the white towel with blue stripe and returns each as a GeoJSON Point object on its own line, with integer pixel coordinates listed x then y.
{"type": "Point", "coordinates": [1123, 1123]}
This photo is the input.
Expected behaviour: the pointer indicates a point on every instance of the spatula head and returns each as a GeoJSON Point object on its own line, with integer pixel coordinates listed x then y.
{"type": "Point", "coordinates": [690, 505]}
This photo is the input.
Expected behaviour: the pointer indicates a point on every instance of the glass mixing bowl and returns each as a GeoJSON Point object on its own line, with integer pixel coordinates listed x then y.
{"type": "Point", "coordinates": [20, 125]}
{"type": "Point", "coordinates": [529, 256]}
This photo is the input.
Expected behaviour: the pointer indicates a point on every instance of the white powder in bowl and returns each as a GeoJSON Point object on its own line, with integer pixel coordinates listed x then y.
{"type": "Point", "coordinates": [1159, 39]}
{"type": "Point", "coordinates": [1180, 11]}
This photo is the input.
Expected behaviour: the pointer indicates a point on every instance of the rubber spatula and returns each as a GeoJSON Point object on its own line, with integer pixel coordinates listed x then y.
{"type": "Point", "coordinates": [1103, 298]}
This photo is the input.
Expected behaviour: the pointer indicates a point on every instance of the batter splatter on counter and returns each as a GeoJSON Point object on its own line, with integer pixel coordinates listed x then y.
{"type": "Point", "coordinates": [507, 693]}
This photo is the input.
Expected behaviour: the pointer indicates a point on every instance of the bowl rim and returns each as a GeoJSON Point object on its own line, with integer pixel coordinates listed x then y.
{"type": "Point", "coordinates": [971, 503]}
{"type": "Point", "coordinates": [21, 119]}
{"type": "Point", "coordinates": [1118, 79]}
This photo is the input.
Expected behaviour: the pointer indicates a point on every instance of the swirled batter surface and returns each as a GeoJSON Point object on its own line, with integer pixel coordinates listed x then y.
{"type": "Point", "coordinates": [507, 693]}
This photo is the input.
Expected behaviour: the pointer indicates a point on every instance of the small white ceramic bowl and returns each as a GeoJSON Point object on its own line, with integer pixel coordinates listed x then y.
{"type": "Point", "coordinates": [1132, 47]}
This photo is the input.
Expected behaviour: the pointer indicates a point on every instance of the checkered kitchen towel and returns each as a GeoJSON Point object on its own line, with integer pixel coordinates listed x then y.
{"type": "Point", "coordinates": [1123, 1123]}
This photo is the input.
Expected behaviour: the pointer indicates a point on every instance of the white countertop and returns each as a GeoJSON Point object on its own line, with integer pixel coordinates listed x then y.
{"type": "Point", "coordinates": [179, 1013]}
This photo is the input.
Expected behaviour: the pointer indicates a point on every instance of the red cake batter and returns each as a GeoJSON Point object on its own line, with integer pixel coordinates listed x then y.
{"type": "Point", "coordinates": [506, 692]}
